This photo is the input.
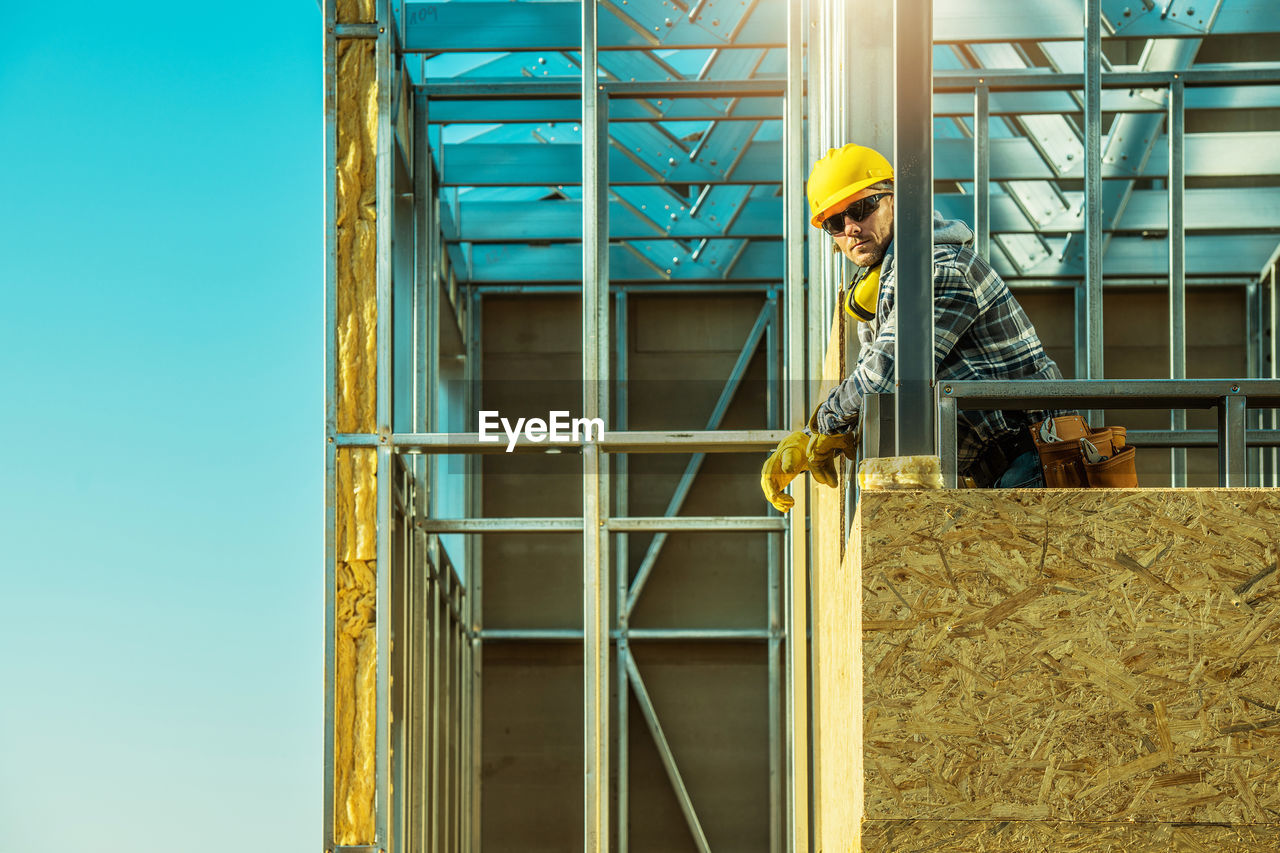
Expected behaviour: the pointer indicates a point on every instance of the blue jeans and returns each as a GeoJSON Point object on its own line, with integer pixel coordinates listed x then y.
{"type": "Point", "coordinates": [1024, 473]}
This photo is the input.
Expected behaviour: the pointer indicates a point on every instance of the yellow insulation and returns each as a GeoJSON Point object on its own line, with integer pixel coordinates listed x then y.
{"type": "Point", "coordinates": [354, 621]}
{"type": "Point", "coordinates": [357, 232]}
{"type": "Point", "coordinates": [357, 11]}
{"type": "Point", "coordinates": [900, 472]}
{"type": "Point", "coordinates": [355, 717]}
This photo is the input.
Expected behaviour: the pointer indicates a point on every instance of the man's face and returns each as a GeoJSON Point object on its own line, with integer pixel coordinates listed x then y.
{"type": "Point", "coordinates": [864, 242]}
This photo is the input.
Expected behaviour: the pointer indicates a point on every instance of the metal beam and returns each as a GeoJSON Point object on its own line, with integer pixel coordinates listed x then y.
{"type": "Point", "coordinates": [628, 441]}
{"type": "Point", "coordinates": [463, 89]}
{"type": "Point", "coordinates": [1177, 271]}
{"type": "Point", "coordinates": [913, 226]}
{"type": "Point", "coordinates": [1054, 101]}
{"type": "Point", "coordinates": [698, 523]}
{"type": "Point", "coordinates": [1118, 393]}
{"type": "Point", "coordinates": [559, 220]}
{"type": "Point", "coordinates": [504, 164]}
{"type": "Point", "coordinates": [1208, 255]}
{"type": "Point", "coordinates": [1197, 438]}
{"type": "Point", "coordinates": [533, 106]}
{"type": "Point", "coordinates": [982, 170]}
{"type": "Point", "coordinates": [648, 261]}
{"type": "Point", "coordinates": [573, 524]}
{"type": "Point", "coordinates": [761, 262]}
{"type": "Point", "coordinates": [773, 415]}
{"type": "Point", "coordinates": [621, 568]}
{"type": "Point", "coordinates": [1147, 212]}
{"type": "Point", "coordinates": [1093, 236]}
{"type": "Point", "coordinates": [330, 411]}
{"type": "Point", "coordinates": [1214, 154]}
{"type": "Point", "coordinates": [948, 441]}
{"type": "Point", "coordinates": [1030, 92]}
{"type": "Point", "coordinates": [1267, 281]}
{"type": "Point", "coordinates": [595, 178]}
{"type": "Point", "coordinates": [502, 26]}
{"type": "Point", "coordinates": [1207, 155]}
{"type": "Point", "coordinates": [650, 715]}
{"type": "Point", "coordinates": [1231, 431]}
{"type": "Point", "coordinates": [795, 586]}
{"type": "Point", "coordinates": [1032, 80]}
{"type": "Point", "coordinates": [553, 635]}
{"type": "Point", "coordinates": [385, 204]}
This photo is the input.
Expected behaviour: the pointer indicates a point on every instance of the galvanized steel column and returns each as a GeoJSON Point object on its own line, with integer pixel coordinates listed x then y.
{"type": "Point", "coordinates": [1273, 359]}
{"type": "Point", "coordinates": [913, 224]}
{"type": "Point", "coordinates": [947, 438]}
{"type": "Point", "coordinates": [622, 563]}
{"type": "Point", "coordinates": [385, 206]}
{"type": "Point", "coordinates": [1177, 270]}
{"type": "Point", "coordinates": [773, 409]}
{"type": "Point", "coordinates": [795, 586]}
{"type": "Point", "coordinates": [824, 268]}
{"type": "Point", "coordinates": [330, 412]}
{"type": "Point", "coordinates": [982, 169]}
{"type": "Point", "coordinates": [595, 404]}
{"type": "Point", "coordinates": [1093, 236]}
{"type": "Point", "coordinates": [475, 552]}
{"type": "Point", "coordinates": [1231, 440]}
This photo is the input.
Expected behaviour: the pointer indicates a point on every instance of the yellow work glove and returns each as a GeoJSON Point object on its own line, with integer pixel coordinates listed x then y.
{"type": "Point", "coordinates": [783, 465]}
{"type": "Point", "coordinates": [821, 452]}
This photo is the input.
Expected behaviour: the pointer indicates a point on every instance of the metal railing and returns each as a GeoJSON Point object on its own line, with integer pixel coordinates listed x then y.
{"type": "Point", "coordinates": [1230, 397]}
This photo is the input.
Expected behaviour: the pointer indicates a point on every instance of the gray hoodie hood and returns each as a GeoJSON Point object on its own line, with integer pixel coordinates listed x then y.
{"type": "Point", "coordinates": [950, 231]}
{"type": "Point", "coordinates": [945, 231]}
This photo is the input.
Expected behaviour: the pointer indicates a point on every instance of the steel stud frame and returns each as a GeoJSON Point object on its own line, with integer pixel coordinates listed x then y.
{"type": "Point", "coordinates": [433, 609]}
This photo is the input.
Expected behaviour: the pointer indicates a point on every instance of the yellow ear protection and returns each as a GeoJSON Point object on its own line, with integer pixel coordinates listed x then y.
{"type": "Point", "coordinates": [860, 300]}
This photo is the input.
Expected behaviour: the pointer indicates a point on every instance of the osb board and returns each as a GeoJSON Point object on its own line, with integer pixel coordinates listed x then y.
{"type": "Point", "coordinates": [1071, 655]}
{"type": "Point", "coordinates": [835, 597]}
{"type": "Point", "coordinates": [355, 667]}
{"type": "Point", "coordinates": [1019, 836]}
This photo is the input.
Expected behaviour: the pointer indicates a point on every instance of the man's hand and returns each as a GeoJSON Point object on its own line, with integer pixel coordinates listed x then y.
{"type": "Point", "coordinates": [785, 464]}
{"type": "Point", "coordinates": [821, 452]}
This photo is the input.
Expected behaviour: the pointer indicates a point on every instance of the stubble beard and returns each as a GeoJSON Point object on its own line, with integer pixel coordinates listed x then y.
{"type": "Point", "coordinates": [868, 259]}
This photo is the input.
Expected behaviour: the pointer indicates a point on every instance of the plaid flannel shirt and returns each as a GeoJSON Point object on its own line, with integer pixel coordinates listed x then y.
{"type": "Point", "coordinates": [980, 332]}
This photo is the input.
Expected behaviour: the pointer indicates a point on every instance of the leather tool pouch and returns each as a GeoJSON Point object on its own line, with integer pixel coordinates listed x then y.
{"type": "Point", "coordinates": [1117, 472]}
{"type": "Point", "coordinates": [1074, 456]}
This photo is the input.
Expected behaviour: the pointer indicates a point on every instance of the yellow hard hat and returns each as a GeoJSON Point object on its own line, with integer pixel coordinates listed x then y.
{"type": "Point", "coordinates": [840, 175]}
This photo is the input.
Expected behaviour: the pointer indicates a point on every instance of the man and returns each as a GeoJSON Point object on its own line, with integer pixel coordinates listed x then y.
{"type": "Point", "coordinates": [980, 332]}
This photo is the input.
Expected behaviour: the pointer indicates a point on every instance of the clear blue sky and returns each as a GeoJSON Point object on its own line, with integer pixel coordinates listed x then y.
{"type": "Point", "coordinates": [161, 411]}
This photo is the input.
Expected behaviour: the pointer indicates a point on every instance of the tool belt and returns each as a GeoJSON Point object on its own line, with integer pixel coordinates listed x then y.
{"type": "Point", "coordinates": [1076, 456]}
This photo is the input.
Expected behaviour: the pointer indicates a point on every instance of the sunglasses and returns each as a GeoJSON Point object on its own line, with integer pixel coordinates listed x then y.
{"type": "Point", "coordinates": [858, 211]}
